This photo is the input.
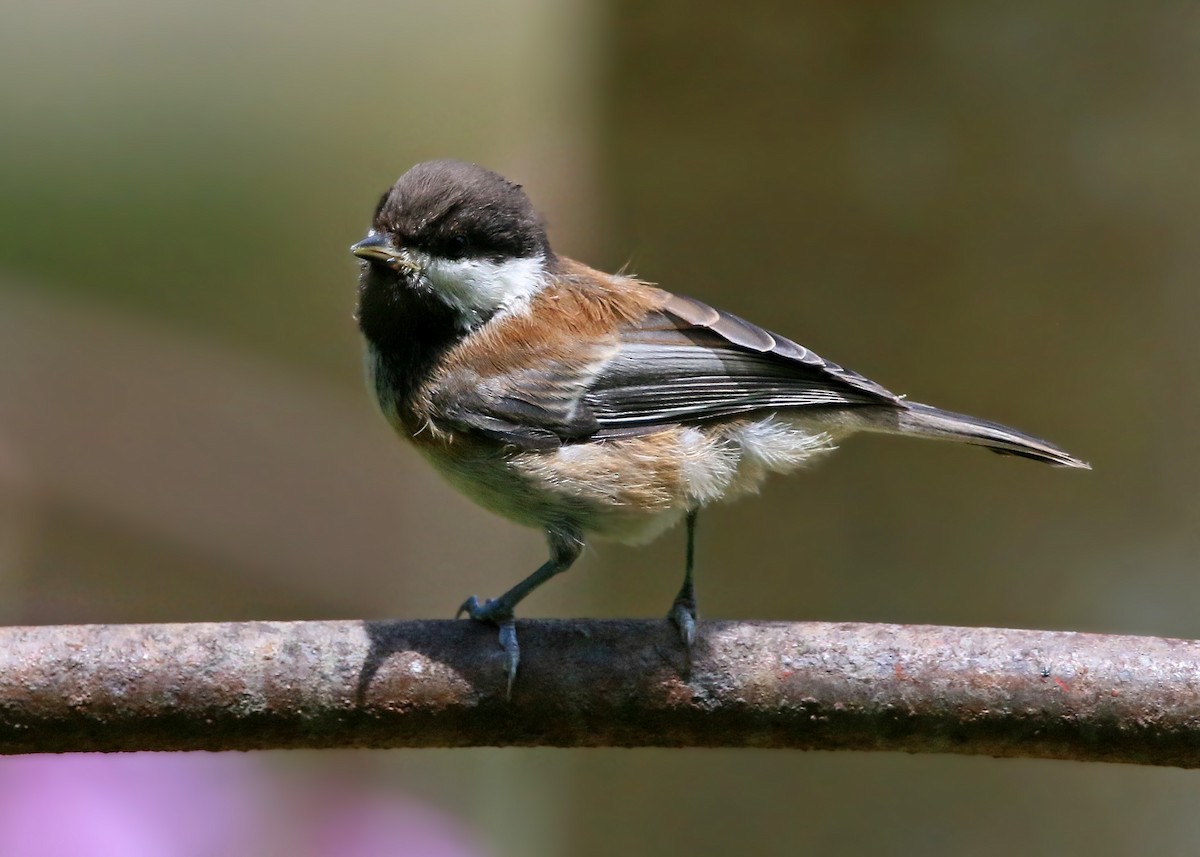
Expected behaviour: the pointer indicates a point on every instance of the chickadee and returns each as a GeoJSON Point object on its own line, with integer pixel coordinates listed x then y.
{"type": "Point", "coordinates": [586, 403]}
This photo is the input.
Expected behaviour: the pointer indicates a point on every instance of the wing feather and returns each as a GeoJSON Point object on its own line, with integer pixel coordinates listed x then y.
{"type": "Point", "coordinates": [688, 363]}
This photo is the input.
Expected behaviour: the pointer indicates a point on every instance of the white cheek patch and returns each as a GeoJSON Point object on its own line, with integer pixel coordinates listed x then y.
{"type": "Point", "coordinates": [481, 288]}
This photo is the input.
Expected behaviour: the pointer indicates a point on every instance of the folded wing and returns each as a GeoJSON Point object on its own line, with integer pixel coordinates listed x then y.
{"type": "Point", "coordinates": [687, 363]}
{"type": "Point", "coordinates": [693, 363]}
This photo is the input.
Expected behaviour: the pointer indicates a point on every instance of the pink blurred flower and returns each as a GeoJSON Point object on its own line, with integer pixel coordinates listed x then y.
{"type": "Point", "coordinates": [201, 805]}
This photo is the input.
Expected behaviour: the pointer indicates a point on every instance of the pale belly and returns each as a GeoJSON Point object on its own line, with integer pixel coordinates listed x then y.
{"type": "Point", "coordinates": [632, 489]}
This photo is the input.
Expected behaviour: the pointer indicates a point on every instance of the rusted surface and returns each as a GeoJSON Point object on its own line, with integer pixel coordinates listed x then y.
{"type": "Point", "coordinates": [260, 685]}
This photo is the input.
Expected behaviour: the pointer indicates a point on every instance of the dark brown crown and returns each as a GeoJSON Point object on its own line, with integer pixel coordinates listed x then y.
{"type": "Point", "coordinates": [458, 210]}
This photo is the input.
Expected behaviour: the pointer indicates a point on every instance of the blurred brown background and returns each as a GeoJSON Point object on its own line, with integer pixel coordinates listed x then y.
{"type": "Point", "coordinates": [988, 207]}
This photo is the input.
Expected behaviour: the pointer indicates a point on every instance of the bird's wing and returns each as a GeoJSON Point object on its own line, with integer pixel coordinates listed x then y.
{"type": "Point", "coordinates": [684, 364]}
{"type": "Point", "coordinates": [692, 363]}
{"type": "Point", "coordinates": [529, 408]}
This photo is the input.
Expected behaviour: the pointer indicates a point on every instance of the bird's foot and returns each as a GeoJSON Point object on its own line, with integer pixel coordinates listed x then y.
{"type": "Point", "coordinates": [494, 612]}
{"type": "Point", "coordinates": [683, 615]}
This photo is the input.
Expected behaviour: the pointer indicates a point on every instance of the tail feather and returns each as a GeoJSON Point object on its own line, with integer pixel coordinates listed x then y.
{"type": "Point", "coordinates": [926, 421]}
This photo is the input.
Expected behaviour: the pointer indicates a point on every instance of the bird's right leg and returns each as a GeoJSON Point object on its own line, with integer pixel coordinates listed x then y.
{"type": "Point", "coordinates": [683, 610]}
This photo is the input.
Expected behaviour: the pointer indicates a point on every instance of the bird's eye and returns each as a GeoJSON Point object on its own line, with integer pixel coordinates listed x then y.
{"type": "Point", "coordinates": [457, 245]}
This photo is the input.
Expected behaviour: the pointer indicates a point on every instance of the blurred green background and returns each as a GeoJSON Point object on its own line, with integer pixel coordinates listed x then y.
{"type": "Point", "coordinates": [990, 207]}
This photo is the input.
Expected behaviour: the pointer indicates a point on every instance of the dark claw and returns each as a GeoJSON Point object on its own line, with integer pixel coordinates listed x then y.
{"type": "Point", "coordinates": [470, 607]}
{"type": "Point", "coordinates": [508, 642]}
{"type": "Point", "coordinates": [494, 613]}
{"type": "Point", "coordinates": [683, 614]}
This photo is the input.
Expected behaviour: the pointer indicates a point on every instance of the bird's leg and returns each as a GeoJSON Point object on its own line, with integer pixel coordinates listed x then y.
{"type": "Point", "coordinates": [683, 611]}
{"type": "Point", "coordinates": [565, 547]}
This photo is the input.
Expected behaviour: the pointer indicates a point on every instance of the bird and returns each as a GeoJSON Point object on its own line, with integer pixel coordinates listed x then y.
{"type": "Point", "coordinates": [589, 404]}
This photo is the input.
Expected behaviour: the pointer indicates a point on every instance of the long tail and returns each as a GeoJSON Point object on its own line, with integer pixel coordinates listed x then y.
{"type": "Point", "coordinates": [925, 421]}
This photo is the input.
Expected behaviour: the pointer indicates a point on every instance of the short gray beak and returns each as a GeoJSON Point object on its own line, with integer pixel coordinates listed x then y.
{"type": "Point", "coordinates": [376, 247]}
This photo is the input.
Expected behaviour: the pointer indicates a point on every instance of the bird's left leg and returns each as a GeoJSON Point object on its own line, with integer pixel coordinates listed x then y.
{"type": "Point", "coordinates": [683, 611]}
{"type": "Point", "coordinates": [566, 543]}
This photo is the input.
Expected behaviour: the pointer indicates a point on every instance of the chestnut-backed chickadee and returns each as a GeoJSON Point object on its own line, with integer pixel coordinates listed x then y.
{"type": "Point", "coordinates": [586, 403]}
